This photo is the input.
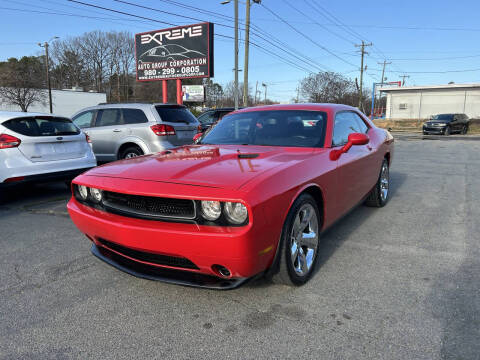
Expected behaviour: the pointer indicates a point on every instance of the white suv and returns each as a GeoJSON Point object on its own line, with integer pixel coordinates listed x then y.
{"type": "Point", "coordinates": [41, 147]}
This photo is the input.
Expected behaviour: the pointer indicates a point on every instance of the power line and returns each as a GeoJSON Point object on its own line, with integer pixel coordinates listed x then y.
{"type": "Point", "coordinates": [256, 31]}
{"type": "Point", "coordinates": [306, 36]}
{"type": "Point", "coordinates": [291, 53]}
{"type": "Point", "coordinates": [317, 23]}
{"type": "Point", "coordinates": [171, 24]}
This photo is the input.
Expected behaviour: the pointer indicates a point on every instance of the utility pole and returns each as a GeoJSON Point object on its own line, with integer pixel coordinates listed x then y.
{"type": "Point", "coordinates": [236, 55]}
{"type": "Point", "coordinates": [363, 52]}
{"type": "Point", "coordinates": [247, 46]}
{"type": "Point", "coordinates": [403, 78]}
{"type": "Point", "coordinates": [245, 64]}
{"type": "Point", "coordinates": [45, 45]}
{"type": "Point", "coordinates": [383, 70]}
{"type": "Point", "coordinates": [385, 63]}
{"type": "Point", "coordinates": [256, 92]}
{"type": "Point", "coordinates": [265, 86]}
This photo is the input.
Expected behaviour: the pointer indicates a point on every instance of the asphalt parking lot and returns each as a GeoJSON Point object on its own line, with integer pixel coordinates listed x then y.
{"type": "Point", "coordinates": [402, 282]}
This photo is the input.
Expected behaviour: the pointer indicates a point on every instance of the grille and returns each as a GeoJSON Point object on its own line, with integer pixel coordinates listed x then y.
{"type": "Point", "coordinates": [149, 206]}
{"type": "Point", "coordinates": [158, 259]}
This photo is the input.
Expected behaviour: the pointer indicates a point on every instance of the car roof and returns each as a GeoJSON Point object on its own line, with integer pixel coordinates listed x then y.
{"type": "Point", "coordinates": [133, 105]}
{"type": "Point", "coordinates": [303, 106]}
{"type": "Point", "coordinates": [8, 115]}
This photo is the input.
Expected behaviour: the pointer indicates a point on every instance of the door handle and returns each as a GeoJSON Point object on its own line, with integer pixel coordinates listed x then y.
{"type": "Point", "coordinates": [117, 130]}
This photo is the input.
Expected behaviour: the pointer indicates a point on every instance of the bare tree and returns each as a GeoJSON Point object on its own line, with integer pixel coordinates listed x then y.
{"type": "Point", "coordinates": [96, 53]}
{"type": "Point", "coordinates": [328, 87]}
{"type": "Point", "coordinates": [21, 82]}
{"type": "Point", "coordinates": [69, 68]}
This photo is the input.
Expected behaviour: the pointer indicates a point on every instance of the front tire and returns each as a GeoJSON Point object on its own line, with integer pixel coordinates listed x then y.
{"type": "Point", "coordinates": [299, 243]}
{"type": "Point", "coordinates": [131, 152]}
{"type": "Point", "coordinates": [447, 131]}
{"type": "Point", "coordinates": [379, 195]}
{"type": "Point", "coordinates": [464, 129]}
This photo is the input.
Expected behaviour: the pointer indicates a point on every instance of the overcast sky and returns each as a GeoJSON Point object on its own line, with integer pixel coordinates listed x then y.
{"type": "Point", "coordinates": [433, 42]}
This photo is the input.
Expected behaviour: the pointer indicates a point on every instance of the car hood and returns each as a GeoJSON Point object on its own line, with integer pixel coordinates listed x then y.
{"type": "Point", "coordinates": [223, 166]}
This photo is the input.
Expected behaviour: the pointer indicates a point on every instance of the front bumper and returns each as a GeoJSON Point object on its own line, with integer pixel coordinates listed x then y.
{"type": "Point", "coordinates": [434, 130]}
{"type": "Point", "coordinates": [239, 249]}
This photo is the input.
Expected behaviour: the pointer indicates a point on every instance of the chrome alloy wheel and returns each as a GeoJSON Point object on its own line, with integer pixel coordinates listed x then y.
{"type": "Point", "coordinates": [304, 239]}
{"type": "Point", "coordinates": [130, 155]}
{"type": "Point", "coordinates": [384, 182]}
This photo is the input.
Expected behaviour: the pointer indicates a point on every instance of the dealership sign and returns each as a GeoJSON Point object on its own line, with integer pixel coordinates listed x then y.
{"type": "Point", "coordinates": [193, 93]}
{"type": "Point", "coordinates": [182, 52]}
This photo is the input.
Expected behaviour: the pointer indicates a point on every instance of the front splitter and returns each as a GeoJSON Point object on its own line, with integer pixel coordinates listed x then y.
{"type": "Point", "coordinates": [179, 277]}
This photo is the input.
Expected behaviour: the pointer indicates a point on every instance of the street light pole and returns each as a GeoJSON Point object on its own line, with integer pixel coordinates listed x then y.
{"type": "Point", "coordinates": [265, 86]}
{"type": "Point", "coordinates": [45, 45]}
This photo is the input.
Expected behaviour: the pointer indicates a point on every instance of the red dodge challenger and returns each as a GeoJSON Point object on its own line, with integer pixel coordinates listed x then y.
{"type": "Point", "coordinates": [250, 198]}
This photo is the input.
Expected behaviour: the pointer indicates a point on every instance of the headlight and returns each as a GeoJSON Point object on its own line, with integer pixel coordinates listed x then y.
{"type": "Point", "coordinates": [441, 124]}
{"type": "Point", "coordinates": [96, 194]}
{"type": "Point", "coordinates": [211, 210]}
{"type": "Point", "coordinates": [83, 191]}
{"type": "Point", "coordinates": [236, 213]}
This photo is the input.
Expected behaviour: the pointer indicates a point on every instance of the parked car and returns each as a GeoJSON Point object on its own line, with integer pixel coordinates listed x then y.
{"type": "Point", "coordinates": [41, 147]}
{"type": "Point", "coordinates": [446, 124]}
{"type": "Point", "coordinates": [251, 198]}
{"type": "Point", "coordinates": [123, 131]}
{"type": "Point", "coordinates": [210, 117]}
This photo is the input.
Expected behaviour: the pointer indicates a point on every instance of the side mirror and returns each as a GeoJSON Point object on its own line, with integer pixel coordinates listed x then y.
{"type": "Point", "coordinates": [358, 139]}
{"type": "Point", "coordinates": [197, 136]}
{"type": "Point", "coordinates": [353, 139]}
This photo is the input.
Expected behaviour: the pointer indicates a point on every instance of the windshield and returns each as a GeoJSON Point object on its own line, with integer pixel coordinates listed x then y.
{"type": "Point", "coordinates": [296, 128]}
{"type": "Point", "coordinates": [445, 117]}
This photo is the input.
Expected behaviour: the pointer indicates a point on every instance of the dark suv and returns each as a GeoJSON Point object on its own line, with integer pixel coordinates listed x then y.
{"type": "Point", "coordinates": [210, 117]}
{"type": "Point", "coordinates": [446, 124]}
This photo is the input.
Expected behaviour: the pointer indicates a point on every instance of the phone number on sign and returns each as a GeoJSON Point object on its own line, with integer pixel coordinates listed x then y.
{"type": "Point", "coordinates": [187, 70]}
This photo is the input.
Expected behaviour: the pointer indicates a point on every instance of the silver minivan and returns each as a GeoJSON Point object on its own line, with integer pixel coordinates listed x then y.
{"type": "Point", "coordinates": [122, 131]}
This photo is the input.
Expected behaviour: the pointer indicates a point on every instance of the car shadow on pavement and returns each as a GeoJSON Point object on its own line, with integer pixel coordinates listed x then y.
{"type": "Point", "coordinates": [31, 194]}
{"type": "Point", "coordinates": [333, 237]}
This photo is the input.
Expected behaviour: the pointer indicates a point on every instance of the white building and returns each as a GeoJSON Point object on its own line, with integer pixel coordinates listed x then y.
{"type": "Point", "coordinates": [420, 102]}
{"type": "Point", "coordinates": [65, 102]}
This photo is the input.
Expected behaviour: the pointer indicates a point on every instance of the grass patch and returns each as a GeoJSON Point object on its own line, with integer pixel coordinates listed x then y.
{"type": "Point", "coordinates": [416, 125]}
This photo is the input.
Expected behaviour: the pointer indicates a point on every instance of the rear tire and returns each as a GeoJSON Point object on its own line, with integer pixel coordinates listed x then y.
{"type": "Point", "coordinates": [131, 152]}
{"type": "Point", "coordinates": [379, 195]}
{"type": "Point", "coordinates": [297, 255]}
{"type": "Point", "coordinates": [464, 129]}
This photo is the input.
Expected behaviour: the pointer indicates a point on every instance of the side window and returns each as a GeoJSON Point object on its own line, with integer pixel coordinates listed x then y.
{"type": "Point", "coordinates": [108, 117]}
{"type": "Point", "coordinates": [134, 116]}
{"type": "Point", "coordinates": [84, 120]}
{"type": "Point", "coordinates": [207, 118]}
{"type": "Point", "coordinates": [345, 124]}
{"type": "Point", "coordinates": [361, 123]}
